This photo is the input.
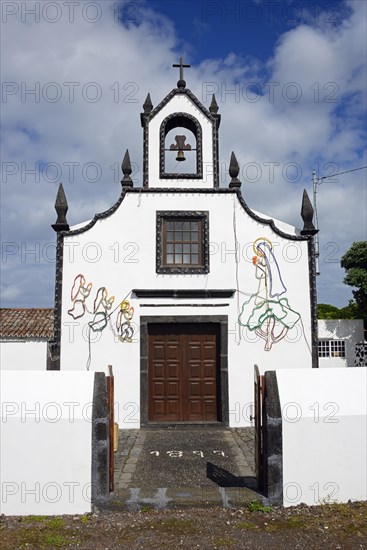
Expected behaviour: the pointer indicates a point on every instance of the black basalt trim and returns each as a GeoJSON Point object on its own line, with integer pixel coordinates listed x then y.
{"type": "Point", "coordinates": [55, 342]}
{"type": "Point", "coordinates": [219, 190]}
{"type": "Point", "coordinates": [145, 153]}
{"type": "Point", "coordinates": [180, 190]}
{"type": "Point", "coordinates": [200, 214]}
{"type": "Point", "coordinates": [100, 216]}
{"type": "Point", "coordinates": [272, 441]}
{"type": "Point", "coordinates": [269, 222]}
{"type": "Point", "coordinates": [192, 124]}
{"type": "Point", "coordinates": [183, 305]}
{"type": "Point", "coordinates": [183, 293]}
{"type": "Point", "coordinates": [214, 117]}
{"type": "Point", "coordinates": [224, 190]}
{"type": "Point", "coordinates": [215, 142]}
{"type": "Point", "coordinates": [100, 441]}
{"type": "Point", "coordinates": [177, 91]}
{"type": "Point", "coordinates": [313, 302]}
{"type": "Point", "coordinates": [127, 190]}
{"type": "Point", "coordinates": [222, 321]}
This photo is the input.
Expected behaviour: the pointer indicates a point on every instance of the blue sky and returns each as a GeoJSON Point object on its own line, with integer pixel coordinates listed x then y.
{"type": "Point", "coordinates": [215, 29]}
{"type": "Point", "coordinates": [290, 82]}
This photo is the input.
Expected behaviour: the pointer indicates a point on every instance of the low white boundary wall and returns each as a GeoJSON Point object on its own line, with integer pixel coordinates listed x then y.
{"type": "Point", "coordinates": [23, 355]}
{"type": "Point", "coordinates": [50, 453]}
{"type": "Point", "coordinates": [316, 424]}
{"type": "Point", "coordinates": [351, 331]}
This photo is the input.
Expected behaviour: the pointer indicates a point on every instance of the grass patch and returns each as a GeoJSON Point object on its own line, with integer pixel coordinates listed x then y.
{"type": "Point", "coordinates": [55, 523]}
{"type": "Point", "coordinates": [146, 508]}
{"type": "Point", "coordinates": [84, 519]}
{"type": "Point", "coordinates": [256, 506]}
{"type": "Point", "coordinates": [37, 538]}
{"type": "Point", "coordinates": [57, 541]}
{"type": "Point", "coordinates": [41, 532]}
{"type": "Point", "coordinates": [34, 519]}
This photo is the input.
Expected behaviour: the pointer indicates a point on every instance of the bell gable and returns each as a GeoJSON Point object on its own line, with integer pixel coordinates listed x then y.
{"type": "Point", "coordinates": [180, 141]}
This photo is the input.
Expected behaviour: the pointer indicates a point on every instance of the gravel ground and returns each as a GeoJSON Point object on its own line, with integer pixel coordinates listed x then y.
{"type": "Point", "coordinates": [329, 526]}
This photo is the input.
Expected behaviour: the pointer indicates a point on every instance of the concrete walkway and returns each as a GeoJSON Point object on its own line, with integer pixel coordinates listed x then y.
{"type": "Point", "coordinates": [177, 467]}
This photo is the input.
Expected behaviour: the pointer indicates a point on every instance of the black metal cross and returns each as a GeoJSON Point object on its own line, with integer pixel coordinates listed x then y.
{"type": "Point", "coordinates": [181, 65]}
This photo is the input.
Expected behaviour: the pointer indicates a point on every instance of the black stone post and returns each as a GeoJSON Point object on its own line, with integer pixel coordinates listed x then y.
{"type": "Point", "coordinates": [61, 225]}
{"type": "Point", "coordinates": [310, 231]}
{"type": "Point", "coordinates": [272, 441]}
{"type": "Point", "coordinates": [100, 441]}
{"type": "Point", "coordinates": [313, 298]}
{"type": "Point", "coordinates": [144, 119]}
{"type": "Point", "coordinates": [233, 172]}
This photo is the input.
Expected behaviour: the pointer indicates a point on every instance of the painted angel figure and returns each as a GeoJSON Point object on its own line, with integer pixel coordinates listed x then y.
{"type": "Point", "coordinates": [266, 313]}
{"type": "Point", "coordinates": [101, 307]}
{"type": "Point", "coordinates": [125, 331]}
{"type": "Point", "coordinates": [79, 293]}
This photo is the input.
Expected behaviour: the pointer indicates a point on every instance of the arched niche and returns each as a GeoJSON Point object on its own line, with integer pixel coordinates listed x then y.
{"type": "Point", "coordinates": [176, 124]}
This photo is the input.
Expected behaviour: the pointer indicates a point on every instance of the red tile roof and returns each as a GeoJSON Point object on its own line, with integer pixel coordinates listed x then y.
{"type": "Point", "coordinates": [26, 322]}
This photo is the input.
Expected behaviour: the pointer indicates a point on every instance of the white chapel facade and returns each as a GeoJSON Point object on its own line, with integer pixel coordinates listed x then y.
{"type": "Point", "coordinates": [181, 323]}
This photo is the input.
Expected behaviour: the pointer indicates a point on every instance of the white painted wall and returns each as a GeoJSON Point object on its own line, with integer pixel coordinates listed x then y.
{"type": "Point", "coordinates": [324, 421]}
{"type": "Point", "coordinates": [23, 354]}
{"type": "Point", "coordinates": [46, 442]}
{"type": "Point", "coordinates": [349, 330]}
{"type": "Point", "coordinates": [119, 252]}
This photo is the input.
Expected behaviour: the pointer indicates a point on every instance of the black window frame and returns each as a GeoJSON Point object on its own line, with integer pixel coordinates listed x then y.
{"type": "Point", "coordinates": [180, 215]}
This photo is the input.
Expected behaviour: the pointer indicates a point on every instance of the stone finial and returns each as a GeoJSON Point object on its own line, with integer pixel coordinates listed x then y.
{"type": "Point", "coordinates": [147, 105]}
{"type": "Point", "coordinates": [213, 106]}
{"type": "Point", "coordinates": [126, 170]}
{"type": "Point", "coordinates": [61, 207]}
{"type": "Point", "coordinates": [307, 216]}
{"type": "Point", "coordinates": [234, 171]}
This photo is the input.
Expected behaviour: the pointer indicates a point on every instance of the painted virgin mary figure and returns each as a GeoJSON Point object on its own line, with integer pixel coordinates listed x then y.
{"type": "Point", "coordinates": [267, 313]}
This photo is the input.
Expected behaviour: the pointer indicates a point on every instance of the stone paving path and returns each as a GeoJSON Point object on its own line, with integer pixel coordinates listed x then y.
{"type": "Point", "coordinates": [178, 467]}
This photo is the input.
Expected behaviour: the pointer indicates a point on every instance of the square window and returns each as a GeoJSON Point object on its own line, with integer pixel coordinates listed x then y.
{"type": "Point", "coordinates": [182, 242]}
{"type": "Point", "coordinates": [337, 348]}
{"type": "Point", "coordinates": [331, 348]}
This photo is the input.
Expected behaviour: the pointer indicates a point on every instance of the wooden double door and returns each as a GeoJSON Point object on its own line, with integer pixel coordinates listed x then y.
{"type": "Point", "coordinates": [183, 376]}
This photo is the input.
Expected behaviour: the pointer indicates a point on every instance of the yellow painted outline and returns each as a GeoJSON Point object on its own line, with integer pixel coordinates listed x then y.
{"type": "Point", "coordinates": [261, 239]}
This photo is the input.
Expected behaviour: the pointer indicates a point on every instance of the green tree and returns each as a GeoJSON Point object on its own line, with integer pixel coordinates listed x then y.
{"type": "Point", "coordinates": [327, 311]}
{"type": "Point", "coordinates": [354, 262]}
{"type": "Point", "coordinates": [350, 311]}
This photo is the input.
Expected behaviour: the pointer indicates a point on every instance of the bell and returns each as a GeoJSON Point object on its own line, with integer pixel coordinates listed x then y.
{"type": "Point", "coordinates": [180, 156]}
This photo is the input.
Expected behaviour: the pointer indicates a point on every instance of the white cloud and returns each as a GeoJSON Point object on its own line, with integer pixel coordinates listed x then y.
{"type": "Point", "coordinates": [134, 57]}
